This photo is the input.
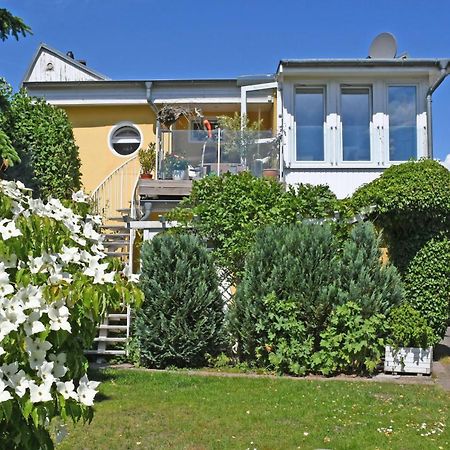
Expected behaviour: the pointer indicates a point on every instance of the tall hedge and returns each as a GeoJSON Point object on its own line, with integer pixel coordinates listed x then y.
{"type": "Point", "coordinates": [428, 283]}
{"type": "Point", "coordinates": [43, 138]}
{"type": "Point", "coordinates": [412, 205]}
{"type": "Point", "coordinates": [182, 316]}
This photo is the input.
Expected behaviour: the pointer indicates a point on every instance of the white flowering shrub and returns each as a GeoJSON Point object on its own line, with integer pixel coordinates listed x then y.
{"type": "Point", "coordinates": [55, 286]}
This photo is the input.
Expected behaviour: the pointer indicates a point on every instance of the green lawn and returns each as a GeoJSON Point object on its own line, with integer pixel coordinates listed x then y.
{"type": "Point", "coordinates": [141, 410]}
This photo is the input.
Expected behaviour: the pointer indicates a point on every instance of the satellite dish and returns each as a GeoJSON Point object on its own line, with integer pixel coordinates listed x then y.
{"type": "Point", "coordinates": [384, 46]}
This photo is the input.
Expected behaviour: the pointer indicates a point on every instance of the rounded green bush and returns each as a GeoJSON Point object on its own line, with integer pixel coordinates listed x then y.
{"type": "Point", "coordinates": [182, 316]}
{"type": "Point", "coordinates": [428, 283]}
{"type": "Point", "coordinates": [412, 205]}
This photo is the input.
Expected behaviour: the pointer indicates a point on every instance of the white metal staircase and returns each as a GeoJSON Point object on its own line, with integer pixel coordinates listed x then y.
{"type": "Point", "coordinates": [113, 199]}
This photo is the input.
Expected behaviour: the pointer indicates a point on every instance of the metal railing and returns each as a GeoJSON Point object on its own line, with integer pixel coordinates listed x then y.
{"type": "Point", "coordinates": [194, 154]}
{"type": "Point", "coordinates": [116, 191]}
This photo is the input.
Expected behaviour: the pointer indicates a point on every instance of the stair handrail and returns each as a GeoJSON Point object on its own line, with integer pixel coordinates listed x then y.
{"type": "Point", "coordinates": [120, 180]}
{"type": "Point", "coordinates": [94, 192]}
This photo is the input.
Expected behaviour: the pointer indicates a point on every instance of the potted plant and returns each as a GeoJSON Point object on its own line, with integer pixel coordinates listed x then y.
{"type": "Point", "coordinates": [273, 164]}
{"type": "Point", "coordinates": [147, 159]}
{"type": "Point", "coordinates": [175, 167]}
{"type": "Point", "coordinates": [411, 341]}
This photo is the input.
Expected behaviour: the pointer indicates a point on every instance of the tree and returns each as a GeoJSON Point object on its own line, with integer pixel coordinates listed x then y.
{"type": "Point", "coordinates": [42, 136]}
{"type": "Point", "coordinates": [12, 26]}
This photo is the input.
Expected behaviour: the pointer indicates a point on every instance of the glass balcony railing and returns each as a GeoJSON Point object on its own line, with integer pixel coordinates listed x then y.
{"type": "Point", "coordinates": [193, 154]}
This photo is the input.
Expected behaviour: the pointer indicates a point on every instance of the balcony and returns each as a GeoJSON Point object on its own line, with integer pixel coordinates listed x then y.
{"type": "Point", "coordinates": [187, 155]}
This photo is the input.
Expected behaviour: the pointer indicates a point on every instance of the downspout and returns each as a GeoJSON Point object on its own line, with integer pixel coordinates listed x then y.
{"type": "Point", "coordinates": [148, 89]}
{"type": "Point", "coordinates": [443, 65]}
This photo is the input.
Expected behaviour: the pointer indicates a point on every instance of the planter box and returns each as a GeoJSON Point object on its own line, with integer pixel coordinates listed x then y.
{"type": "Point", "coordinates": [408, 360]}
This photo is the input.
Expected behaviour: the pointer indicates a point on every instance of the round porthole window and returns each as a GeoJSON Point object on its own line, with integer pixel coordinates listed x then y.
{"type": "Point", "coordinates": [125, 139]}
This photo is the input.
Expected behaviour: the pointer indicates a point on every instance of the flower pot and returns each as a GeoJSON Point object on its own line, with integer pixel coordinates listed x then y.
{"type": "Point", "coordinates": [271, 173]}
{"type": "Point", "coordinates": [178, 175]}
{"type": "Point", "coordinates": [408, 360]}
{"type": "Point", "coordinates": [146, 176]}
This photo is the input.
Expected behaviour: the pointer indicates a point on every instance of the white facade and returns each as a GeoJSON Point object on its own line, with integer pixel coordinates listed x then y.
{"type": "Point", "coordinates": [345, 174]}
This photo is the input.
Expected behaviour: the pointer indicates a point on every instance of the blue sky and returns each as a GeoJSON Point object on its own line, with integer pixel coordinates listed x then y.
{"type": "Point", "coordinates": [147, 39]}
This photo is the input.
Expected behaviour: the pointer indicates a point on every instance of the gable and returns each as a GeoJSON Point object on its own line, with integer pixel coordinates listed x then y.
{"type": "Point", "coordinates": [51, 65]}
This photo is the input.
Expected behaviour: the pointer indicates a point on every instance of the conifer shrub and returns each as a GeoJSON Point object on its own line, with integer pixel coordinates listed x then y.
{"type": "Point", "coordinates": [182, 316]}
{"type": "Point", "coordinates": [363, 279]}
{"type": "Point", "coordinates": [296, 263]}
{"type": "Point", "coordinates": [307, 303]}
{"type": "Point", "coordinates": [427, 284]}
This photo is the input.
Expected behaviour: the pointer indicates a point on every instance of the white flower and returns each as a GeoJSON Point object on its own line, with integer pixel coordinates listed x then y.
{"type": "Point", "coordinates": [2, 351]}
{"type": "Point", "coordinates": [8, 229]}
{"type": "Point", "coordinates": [57, 275]}
{"type": "Point", "coordinates": [9, 370]}
{"type": "Point", "coordinates": [4, 395]}
{"type": "Point", "coordinates": [10, 262]}
{"type": "Point", "coordinates": [128, 273]}
{"type": "Point", "coordinates": [86, 391]}
{"type": "Point", "coordinates": [37, 350]}
{"type": "Point", "coordinates": [59, 369]}
{"type": "Point", "coordinates": [67, 389]}
{"type": "Point", "coordinates": [40, 393]}
{"type": "Point", "coordinates": [69, 254]}
{"type": "Point", "coordinates": [58, 314]}
{"type": "Point", "coordinates": [19, 382]}
{"type": "Point", "coordinates": [45, 372]}
{"type": "Point", "coordinates": [32, 324]}
{"type": "Point", "coordinates": [80, 197]}
{"type": "Point", "coordinates": [89, 232]}
{"type": "Point", "coordinates": [31, 296]}
{"type": "Point", "coordinates": [96, 219]}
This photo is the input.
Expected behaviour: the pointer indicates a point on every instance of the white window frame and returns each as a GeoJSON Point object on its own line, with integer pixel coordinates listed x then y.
{"type": "Point", "coordinates": [340, 162]}
{"type": "Point", "coordinates": [327, 155]}
{"type": "Point", "coordinates": [121, 125]}
{"type": "Point", "coordinates": [404, 83]}
{"type": "Point", "coordinates": [379, 127]}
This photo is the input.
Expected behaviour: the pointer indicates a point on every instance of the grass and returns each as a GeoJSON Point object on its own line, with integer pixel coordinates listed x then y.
{"type": "Point", "coordinates": [145, 410]}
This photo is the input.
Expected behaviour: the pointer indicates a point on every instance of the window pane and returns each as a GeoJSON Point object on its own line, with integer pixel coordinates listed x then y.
{"type": "Point", "coordinates": [355, 116]}
{"type": "Point", "coordinates": [402, 123]}
{"type": "Point", "coordinates": [309, 117]}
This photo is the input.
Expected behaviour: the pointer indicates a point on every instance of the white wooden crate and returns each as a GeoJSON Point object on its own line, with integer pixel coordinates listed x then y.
{"type": "Point", "coordinates": [408, 360]}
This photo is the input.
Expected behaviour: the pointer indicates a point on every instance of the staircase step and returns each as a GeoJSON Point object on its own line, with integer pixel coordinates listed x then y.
{"type": "Point", "coordinates": [104, 352]}
{"type": "Point", "coordinates": [113, 327]}
{"type": "Point", "coordinates": [117, 316]}
{"type": "Point", "coordinates": [110, 339]}
{"type": "Point", "coordinates": [117, 219]}
{"type": "Point", "coordinates": [124, 210]}
{"type": "Point", "coordinates": [118, 243]}
{"type": "Point", "coordinates": [115, 235]}
{"type": "Point", "coordinates": [118, 254]}
{"type": "Point", "coordinates": [114, 227]}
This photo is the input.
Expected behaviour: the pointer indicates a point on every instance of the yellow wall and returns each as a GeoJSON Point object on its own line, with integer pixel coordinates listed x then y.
{"type": "Point", "coordinates": [91, 127]}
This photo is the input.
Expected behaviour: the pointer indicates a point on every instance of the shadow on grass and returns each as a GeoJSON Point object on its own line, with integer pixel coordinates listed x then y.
{"type": "Point", "coordinates": [441, 351]}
